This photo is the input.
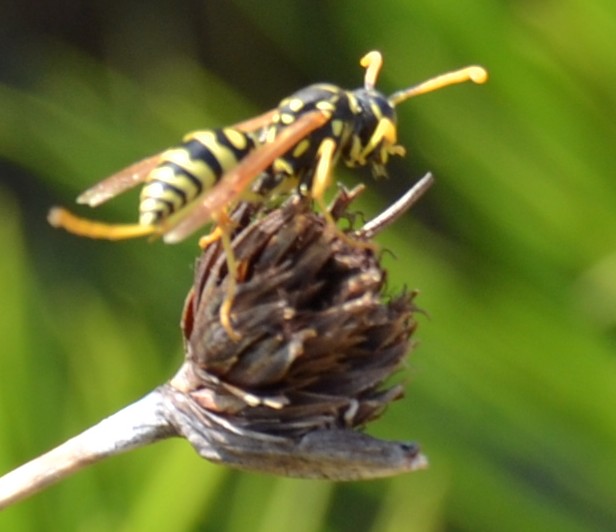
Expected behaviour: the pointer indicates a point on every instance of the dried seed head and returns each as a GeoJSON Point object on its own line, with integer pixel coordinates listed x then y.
{"type": "Point", "coordinates": [318, 338]}
{"type": "Point", "coordinates": [317, 341]}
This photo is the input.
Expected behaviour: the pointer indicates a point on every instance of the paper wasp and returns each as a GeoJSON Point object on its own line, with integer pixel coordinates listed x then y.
{"type": "Point", "coordinates": [294, 146]}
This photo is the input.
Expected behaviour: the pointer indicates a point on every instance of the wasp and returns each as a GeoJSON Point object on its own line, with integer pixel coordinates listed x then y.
{"type": "Point", "coordinates": [292, 147]}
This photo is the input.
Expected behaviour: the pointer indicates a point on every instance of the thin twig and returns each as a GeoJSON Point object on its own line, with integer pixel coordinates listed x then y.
{"type": "Point", "coordinates": [391, 214]}
{"type": "Point", "coordinates": [137, 425]}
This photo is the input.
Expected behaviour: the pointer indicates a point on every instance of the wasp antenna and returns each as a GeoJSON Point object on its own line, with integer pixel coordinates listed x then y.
{"type": "Point", "coordinates": [372, 61]}
{"type": "Point", "coordinates": [473, 73]}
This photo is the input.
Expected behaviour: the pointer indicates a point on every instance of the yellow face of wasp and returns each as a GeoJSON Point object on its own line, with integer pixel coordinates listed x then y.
{"type": "Point", "coordinates": [374, 135]}
{"type": "Point", "coordinates": [386, 146]}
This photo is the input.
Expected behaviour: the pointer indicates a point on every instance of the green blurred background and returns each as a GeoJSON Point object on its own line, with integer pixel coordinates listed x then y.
{"type": "Point", "coordinates": [512, 389]}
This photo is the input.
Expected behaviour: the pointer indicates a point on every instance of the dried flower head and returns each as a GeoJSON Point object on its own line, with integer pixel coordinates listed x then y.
{"type": "Point", "coordinates": [318, 339]}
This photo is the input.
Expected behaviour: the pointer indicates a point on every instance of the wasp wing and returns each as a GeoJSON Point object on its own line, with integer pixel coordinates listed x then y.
{"type": "Point", "coordinates": [234, 182]}
{"type": "Point", "coordinates": [258, 122]}
{"type": "Point", "coordinates": [124, 180]}
{"type": "Point", "coordinates": [137, 173]}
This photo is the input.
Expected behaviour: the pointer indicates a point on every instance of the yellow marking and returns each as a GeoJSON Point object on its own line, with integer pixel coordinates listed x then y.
{"type": "Point", "coordinates": [148, 218]}
{"type": "Point", "coordinates": [270, 135]}
{"type": "Point", "coordinates": [211, 238]}
{"type": "Point", "coordinates": [326, 106]}
{"type": "Point", "coordinates": [376, 110]}
{"type": "Point", "coordinates": [276, 117]}
{"type": "Point", "coordinates": [396, 149]}
{"type": "Point", "coordinates": [224, 226]}
{"type": "Point", "coordinates": [175, 155]}
{"type": "Point", "coordinates": [287, 118]}
{"type": "Point", "coordinates": [181, 157]}
{"type": "Point", "coordinates": [237, 139]}
{"type": "Point", "coordinates": [285, 186]}
{"type": "Point", "coordinates": [385, 131]}
{"type": "Point", "coordinates": [355, 153]}
{"type": "Point", "coordinates": [187, 185]}
{"type": "Point", "coordinates": [150, 205]}
{"type": "Point", "coordinates": [283, 166]}
{"type": "Point", "coordinates": [301, 148]}
{"type": "Point", "coordinates": [390, 133]}
{"type": "Point", "coordinates": [167, 174]}
{"type": "Point", "coordinates": [224, 155]}
{"type": "Point", "coordinates": [204, 136]}
{"type": "Point", "coordinates": [353, 103]}
{"type": "Point", "coordinates": [328, 87]}
{"type": "Point", "coordinates": [157, 191]}
{"type": "Point", "coordinates": [295, 104]}
{"type": "Point", "coordinates": [149, 208]}
{"type": "Point", "coordinates": [322, 173]}
{"type": "Point", "coordinates": [337, 127]}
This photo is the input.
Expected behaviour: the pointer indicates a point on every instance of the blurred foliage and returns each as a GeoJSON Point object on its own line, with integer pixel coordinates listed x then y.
{"type": "Point", "coordinates": [512, 390]}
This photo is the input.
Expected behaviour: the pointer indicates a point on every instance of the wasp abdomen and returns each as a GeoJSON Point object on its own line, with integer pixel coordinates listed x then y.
{"type": "Point", "coordinates": [190, 168]}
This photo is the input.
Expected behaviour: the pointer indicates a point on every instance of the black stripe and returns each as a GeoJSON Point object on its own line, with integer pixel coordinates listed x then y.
{"type": "Point", "coordinates": [177, 169]}
{"type": "Point", "coordinates": [238, 153]}
{"type": "Point", "coordinates": [199, 152]}
{"type": "Point", "coordinates": [162, 210]}
{"type": "Point", "coordinates": [167, 187]}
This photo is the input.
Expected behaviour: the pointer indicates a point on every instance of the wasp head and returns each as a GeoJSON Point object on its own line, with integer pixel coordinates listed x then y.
{"type": "Point", "coordinates": [374, 134]}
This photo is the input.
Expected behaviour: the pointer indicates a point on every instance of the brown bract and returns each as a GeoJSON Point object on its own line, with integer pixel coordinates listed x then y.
{"type": "Point", "coordinates": [318, 339]}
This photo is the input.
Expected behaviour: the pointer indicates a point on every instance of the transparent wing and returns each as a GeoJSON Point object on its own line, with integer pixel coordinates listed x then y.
{"type": "Point", "coordinates": [124, 180]}
{"type": "Point", "coordinates": [252, 124]}
{"type": "Point", "coordinates": [136, 173]}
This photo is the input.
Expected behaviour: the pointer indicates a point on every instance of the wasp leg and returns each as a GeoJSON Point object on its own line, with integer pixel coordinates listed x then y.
{"type": "Point", "coordinates": [322, 173]}
{"type": "Point", "coordinates": [225, 308]}
{"type": "Point", "coordinates": [258, 122]}
{"type": "Point", "coordinates": [322, 178]}
{"type": "Point", "coordinates": [222, 232]}
{"type": "Point", "coordinates": [62, 218]}
{"type": "Point", "coordinates": [210, 239]}
{"type": "Point", "coordinates": [320, 182]}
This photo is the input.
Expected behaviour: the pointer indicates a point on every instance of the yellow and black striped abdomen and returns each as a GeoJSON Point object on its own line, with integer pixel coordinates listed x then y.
{"type": "Point", "coordinates": [190, 168]}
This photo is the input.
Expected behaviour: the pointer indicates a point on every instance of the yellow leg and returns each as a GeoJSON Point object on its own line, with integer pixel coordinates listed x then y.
{"type": "Point", "coordinates": [320, 182]}
{"type": "Point", "coordinates": [225, 308]}
{"type": "Point", "coordinates": [322, 176]}
{"type": "Point", "coordinates": [214, 236]}
{"type": "Point", "coordinates": [89, 228]}
{"type": "Point", "coordinates": [222, 232]}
